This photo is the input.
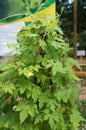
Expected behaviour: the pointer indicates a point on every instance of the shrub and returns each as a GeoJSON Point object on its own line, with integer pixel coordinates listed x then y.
{"type": "Point", "coordinates": [38, 87]}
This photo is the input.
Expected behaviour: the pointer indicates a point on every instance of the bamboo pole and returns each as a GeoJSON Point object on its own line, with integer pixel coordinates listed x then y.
{"type": "Point", "coordinates": [75, 28]}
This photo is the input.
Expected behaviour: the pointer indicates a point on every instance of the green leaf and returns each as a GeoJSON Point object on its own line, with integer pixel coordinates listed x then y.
{"type": "Point", "coordinates": [54, 69]}
{"type": "Point", "coordinates": [9, 87]}
{"type": "Point", "coordinates": [54, 44]}
{"type": "Point", "coordinates": [36, 68]}
{"type": "Point", "coordinates": [59, 30]}
{"type": "Point", "coordinates": [3, 65]}
{"type": "Point", "coordinates": [51, 105]}
{"type": "Point", "coordinates": [36, 93]}
{"type": "Point", "coordinates": [31, 109]}
{"type": "Point", "coordinates": [6, 120]}
{"type": "Point", "coordinates": [44, 78]}
{"type": "Point", "coordinates": [38, 59]}
{"type": "Point", "coordinates": [45, 60]}
{"type": "Point", "coordinates": [19, 63]}
{"type": "Point", "coordinates": [49, 63]}
{"type": "Point", "coordinates": [43, 45]}
{"type": "Point", "coordinates": [25, 71]}
{"type": "Point", "coordinates": [28, 93]}
{"type": "Point", "coordinates": [22, 89]}
{"type": "Point", "coordinates": [38, 118]}
{"type": "Point", "coordinates": [73, 95]}
{"type": "Point", "coordinates": [63, 94]}
{"type": "Point", "coordinates": [56, 117]}
{"type": "Point", "coordinates": [20, 106]}
{"type": "Point", "coordinates": [43, 99]}
{"type": "Point", "coordinates": [52, 123]}
{"type": "Point", "coordinates": [76, 118]}
{"type": "Point", "coordinates": [20, 71]}
{"type": "Point", "coordinates": [33, 35]}
{"type": "Point", "coordinates": [46, 114]}
{"type": "Point", "coordinates": [57, 67]}
{"type": "Point", "coordinates": [23, 114]}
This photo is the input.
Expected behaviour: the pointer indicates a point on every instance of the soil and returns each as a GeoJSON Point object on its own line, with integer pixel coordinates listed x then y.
{"type": "Point", "coordinates": [82, 91]}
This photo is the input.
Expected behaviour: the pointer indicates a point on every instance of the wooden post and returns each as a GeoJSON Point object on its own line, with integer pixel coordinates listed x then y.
{"type": "Point", "coordinates": [75, 28]}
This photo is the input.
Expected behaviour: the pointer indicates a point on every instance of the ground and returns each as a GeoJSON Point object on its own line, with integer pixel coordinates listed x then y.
{"type": "Point", "coordinates": [83, 90]}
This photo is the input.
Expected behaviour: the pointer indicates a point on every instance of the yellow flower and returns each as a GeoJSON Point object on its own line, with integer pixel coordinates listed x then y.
{"type": "Point", "coordinates": [53, 33]}
{"type": "Point", "coordinates": [30, 73]}
{"type": "Point", "coordinates": [20, 28]}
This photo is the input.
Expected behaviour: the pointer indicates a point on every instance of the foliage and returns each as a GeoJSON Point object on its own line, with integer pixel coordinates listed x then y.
{"type": "Point", "coordinates": [82, 106]}
{"type": "Point", "coordinates": [65, 8]}
{"type": "Point", "coordinates": [82, 41]}
{"type": "Point", "coordinates": [15, 9]}
{"type": "Point", "coordinates": [38, 87]}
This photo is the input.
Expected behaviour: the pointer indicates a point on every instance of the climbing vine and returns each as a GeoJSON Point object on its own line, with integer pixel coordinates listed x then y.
{"type": "Point", "coordinates": [38, 87]}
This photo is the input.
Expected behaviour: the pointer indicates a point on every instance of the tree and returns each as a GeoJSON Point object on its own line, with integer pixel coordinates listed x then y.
{"type": "Point", "coordinates": [4, 8]}
{"type": "Point", "coordinates": [67, 20]}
